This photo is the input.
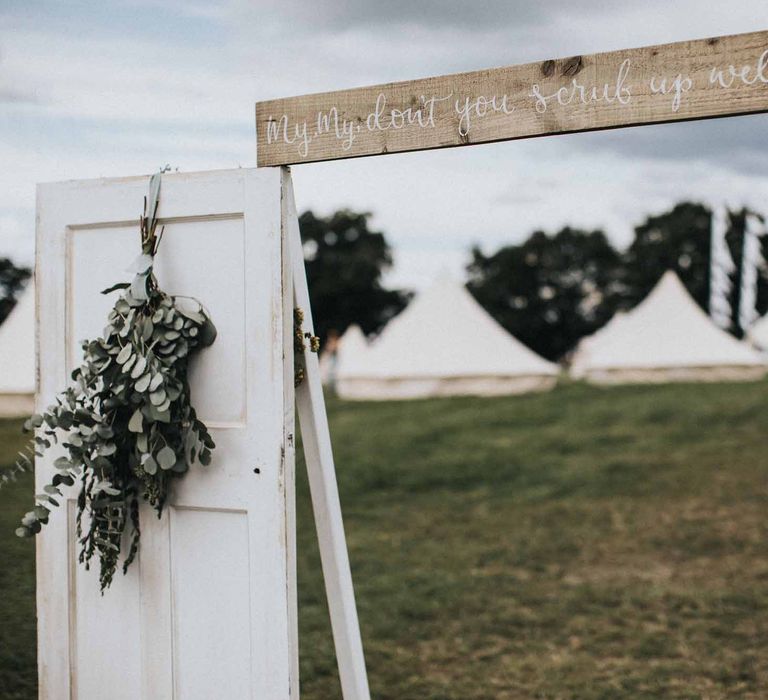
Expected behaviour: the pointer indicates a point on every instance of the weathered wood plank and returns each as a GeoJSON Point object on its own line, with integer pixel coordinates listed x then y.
{"type": "Point", "coordinates": [722, 76]}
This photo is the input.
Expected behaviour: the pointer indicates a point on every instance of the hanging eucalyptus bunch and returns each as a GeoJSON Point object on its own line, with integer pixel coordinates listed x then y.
{"type": "Point", "coordinates": [126, 425]}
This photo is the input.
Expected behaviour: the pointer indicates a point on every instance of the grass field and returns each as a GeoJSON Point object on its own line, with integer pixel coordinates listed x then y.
{"type": "Point", "coordinates": [587, 543]}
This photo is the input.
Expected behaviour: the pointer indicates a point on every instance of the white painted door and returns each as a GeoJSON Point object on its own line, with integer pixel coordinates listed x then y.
{"type": "Point", "coordinates": [208, 609]}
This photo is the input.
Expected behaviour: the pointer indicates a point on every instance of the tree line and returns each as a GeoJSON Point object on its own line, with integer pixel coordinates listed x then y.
{"type": "Point", "coordinates": [548, 291]}
{"type": "Point", "coordinates": [552, 290]}
{"type": "Point", "coordinates": [13, 278]}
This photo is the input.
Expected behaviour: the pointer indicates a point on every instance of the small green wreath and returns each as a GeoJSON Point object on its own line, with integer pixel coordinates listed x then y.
{"type": "Point", "coordinates": [126, 425]}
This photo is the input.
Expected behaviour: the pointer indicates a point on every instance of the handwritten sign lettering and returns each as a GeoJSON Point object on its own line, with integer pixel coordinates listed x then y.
{"type": "Point", "coordinates": [717, 77]}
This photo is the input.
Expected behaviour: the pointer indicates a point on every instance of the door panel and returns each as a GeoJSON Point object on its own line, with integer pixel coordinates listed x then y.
{"type": "Point", "coordinates": [205, 611]}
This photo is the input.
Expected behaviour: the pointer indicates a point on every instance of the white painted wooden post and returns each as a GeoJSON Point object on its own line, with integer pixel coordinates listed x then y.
{"type": "Point", "coordinates": [208, 610]}
{"type": "Point", "coordinates": [316, 440]}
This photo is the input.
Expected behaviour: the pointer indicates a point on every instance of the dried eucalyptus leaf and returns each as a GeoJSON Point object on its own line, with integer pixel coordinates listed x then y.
{"type": "Point", "coordinates": [129, 363]}
{"type": "Point", "coordinates": [193, 314]}
{"type": "Point", "coordinates": [150, 466]}
{"type": "Point", "coordinates": [156, 381]}
{"type": "Point", "coordinates": [157, 397]}
{"type": "Point", "coordinates": [62, 463]}
{"type": "Point", "coordinates": [161, 416]}
{"type": "Point", "coordinates": [166, 458]}
{"type": "Point", "coordinates": [115, 287]}
{"type": "Point", "coordinates": [124, 354]}
{"type": "Point", "coordinates": [207, 333]}
{"type": "Point", "coordinates": [139, 367]}
{"type": "Point", "coordinates": [142, 383]}
{"type": "Point", "coordinates": [105, 487]}
{"type": "Point", "coordinates": [41, 512]}
{"type": "Point", "coordinates": [136, 424]}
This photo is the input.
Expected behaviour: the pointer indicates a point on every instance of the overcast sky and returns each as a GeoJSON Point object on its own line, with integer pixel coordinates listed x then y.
{"type": "Point", "coordinates": [121, 87]}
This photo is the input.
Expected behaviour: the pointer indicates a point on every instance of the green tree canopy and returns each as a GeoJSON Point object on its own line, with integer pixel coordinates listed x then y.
{"type": "Point", "coordinates": [675, 240]}
{"type": "Point", "coordinates": [550, 290]}
{"type": "Point", "coordinates": [12, 281]}
{"type": "Point", "coordinates": [679, 240]}
{"type": "Point", "coordinates": [345, 261]}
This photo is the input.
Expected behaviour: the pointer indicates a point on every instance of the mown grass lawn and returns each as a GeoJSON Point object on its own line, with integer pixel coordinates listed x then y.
{"type": "Point", "coordinates": [588, 543]}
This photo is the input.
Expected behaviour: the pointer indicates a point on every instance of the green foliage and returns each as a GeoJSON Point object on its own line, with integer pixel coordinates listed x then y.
{"type": "Point", "coordinates": [674, 240]}
{"type": "Point", "coordinates": [125, 428]}
{"type": "Point", "coordinates": [12, 280]}
{"type": "Point", "coordinates": [679, 240]}
{"type": "Point", "coordinates": [345, 261]}
{"type": "Point", "coordinates": [550, 290]}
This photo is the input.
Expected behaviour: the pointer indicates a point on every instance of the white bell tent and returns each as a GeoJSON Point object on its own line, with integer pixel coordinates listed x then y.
{"type": "Point", "coordinates": [758, 334]}
{"type": "Point", "coordinates": [667, 337]}
{"type": "Point", "coordinates": [351, 345]}
{"type": "Point", "coordinates": [17, 358]}
{"type": "Point", "coordinates": [443, 344]}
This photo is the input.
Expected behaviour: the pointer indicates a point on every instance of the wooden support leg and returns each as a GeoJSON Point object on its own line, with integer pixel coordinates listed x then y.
{"type": "Point", "coordinates": [322, 483]}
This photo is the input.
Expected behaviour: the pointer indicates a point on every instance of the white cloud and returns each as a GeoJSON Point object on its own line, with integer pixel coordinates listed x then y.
{"type": "Point", "coordinates": [444, 201]}
{"type": "Point", "coordinates": [106, 102]}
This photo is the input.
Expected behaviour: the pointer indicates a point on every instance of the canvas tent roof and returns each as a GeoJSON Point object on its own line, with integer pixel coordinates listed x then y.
{"type": "Point", "coordinates": [443, 343]}
{"type": "Point", "coordinates": [665, 337]}
{"type": "Point", "coordinates": [352, 346]}
{"type": "Point", "coordinates": [17, 357]}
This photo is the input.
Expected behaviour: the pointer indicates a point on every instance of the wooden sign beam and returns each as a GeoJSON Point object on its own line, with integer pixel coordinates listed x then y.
{"type": "Point", "coordinates": [718, 77]}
